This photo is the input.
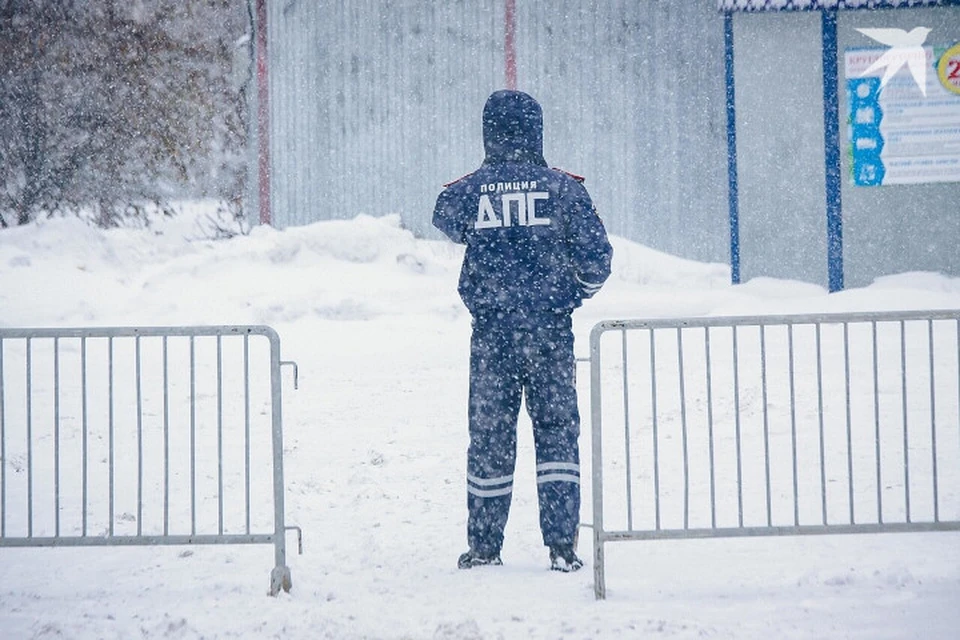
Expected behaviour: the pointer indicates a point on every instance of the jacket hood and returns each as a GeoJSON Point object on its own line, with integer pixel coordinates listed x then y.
{"type": "Point", "coordinates": [513, 128]}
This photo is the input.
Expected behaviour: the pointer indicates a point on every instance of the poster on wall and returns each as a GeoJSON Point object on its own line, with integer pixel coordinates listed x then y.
{"type": "Point", "coordinates": [904, 125]}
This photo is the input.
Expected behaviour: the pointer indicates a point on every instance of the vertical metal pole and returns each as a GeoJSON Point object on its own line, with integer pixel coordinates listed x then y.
{"type": "Point", "coordinates": [831, 133]}
{"type": "Point", "coordinates": [906, 436]}
{"type": "Point", "coordinates": [683, 432]}
{"type": "Point", "coordinates": [736, 422]}
{"type": "Point", "coordinates": [166, 439]}
{"type": "Point", "coordinates": [656, 438]}
{"type": "Point", "coordinates": [139, 439]}
{"type": "Point", "coordinates": [110, 470]}
{"type": "Point", "coordinates": [83, 439]}
{"type": "Point", "coordinates": [246, 426]}
{"type": "Point", "coordinates": [876, 417]}
{"type": "Point", "coordinates": [56, 436]}
{"type": "Point", "coordinates": [220, 434]}
{"type": "Point", "coordinates": [713, 468]}
{"type": "Point", "coordinates": [29, 400]}
{"type": "Point", "coordinates": [280, 552]}
{"type": "Point", "coordinates": [933, 426]}
{"type": "Point", "coordinates": [732, 178]}
{"type": "Point", "coordinates": [793, 427]}
{"type": "Point", "coordinates": [193, 436]}
{"type": "Point", "coordinates": [599, 578]}
{"type": "Point", "coordinates": [626, 430]}
{"type": "Point", "coordinates": [3, 451]}
{"type": "Point", "coordinates": [823, 465]}
{"type": "Point", "coordinates": [846, 384]}
{"type": "Point", "coordinates": [766, 421]}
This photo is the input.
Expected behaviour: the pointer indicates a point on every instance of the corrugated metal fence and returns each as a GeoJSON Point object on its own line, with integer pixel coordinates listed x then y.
{"type": "Point", "coordinates": [375, 104]}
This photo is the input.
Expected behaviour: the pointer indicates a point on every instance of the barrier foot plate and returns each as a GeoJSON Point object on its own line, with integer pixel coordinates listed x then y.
{"type": "Point", "coordinates": [280, 579]}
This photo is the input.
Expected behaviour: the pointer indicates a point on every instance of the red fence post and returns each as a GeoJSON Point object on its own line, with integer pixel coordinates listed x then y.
{"type": "Point", "coordinates": [510, 51]}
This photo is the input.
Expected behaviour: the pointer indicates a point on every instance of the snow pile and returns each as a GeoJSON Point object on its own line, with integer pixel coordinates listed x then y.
{"type": "Point", "coordinates": [645, 266]}
{"type": "Point", "coordinates": [63, 271]}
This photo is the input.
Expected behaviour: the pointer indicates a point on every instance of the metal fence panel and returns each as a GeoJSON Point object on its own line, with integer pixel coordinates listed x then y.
{"type": "Point", "coordinates": [375, 105]}
{"type": "Point", "coordinates": [142, 436]}
{"type": "Point", "coordinates": [774, 425]}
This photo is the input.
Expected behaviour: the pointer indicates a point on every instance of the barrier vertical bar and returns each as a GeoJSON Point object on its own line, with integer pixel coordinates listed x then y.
{"type": "Point", "coordinates": [193, 436]}
{"type": "Point", "coordinates": [846, 385]}
{"type": "Point", "coordinates": [29, 400]}
{"type": "Point", "coordinates": [736, 422]}
{"type": "Point", "coordinates": [84, 427]}
{"type": "Point", "coordinates": [56, 436]}
{"type": "Point", "coordinates": [599, 578]}
{"type": "Point", "coordinates": [3, 449]}
{"type": "Point", "coordinates": [280, 576]}
{"type": "Point", "coordinates": [876, 416]}
{"type": "Point", "coordinates": [246, 426]}
{"type": "Point", "coordinates": [683, 431]}
{"type": "Point", "coordinates": [823, 464]}
{"type": "Point", "coordinates": [139, 383]}
{"type": "Point", "coordinates": [906, 434]}
{"type": "Point", "coordinates": [713, 468]}
{"type": "Point", "coordinates": [656, 437]}
{"type": "Point", "coordinates": [626, 429]}
{"type": "Point", "coordinates": [793, 426]}
{"type": "Point", "coordinates": [766, 422]}
{"type": "Point", "coordinates": [110, 427]}
{"type": "Point", "coordinates": [220, 434]}
{"type": "Point", "coordinates": [933, 426]}
{"type": "Point", "coordinates": [166, 439]}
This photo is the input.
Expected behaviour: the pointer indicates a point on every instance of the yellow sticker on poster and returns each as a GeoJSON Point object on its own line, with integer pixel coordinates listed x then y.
{"type": "Point", "coordinates": [949, 69]}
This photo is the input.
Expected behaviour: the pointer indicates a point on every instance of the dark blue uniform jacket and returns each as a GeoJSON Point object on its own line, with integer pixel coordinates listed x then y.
{"type": "Point", "coordinates": [534, 241]}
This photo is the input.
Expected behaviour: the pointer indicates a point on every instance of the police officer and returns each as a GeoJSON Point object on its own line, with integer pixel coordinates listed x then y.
{"type": "Point", "coordinates": [535, 249]}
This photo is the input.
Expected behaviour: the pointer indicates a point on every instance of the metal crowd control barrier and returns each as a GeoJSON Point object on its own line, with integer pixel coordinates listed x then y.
{"type": "Point", "coordinates": [143, 436]}
{"type": "Point", "coordinates": [774, 425]}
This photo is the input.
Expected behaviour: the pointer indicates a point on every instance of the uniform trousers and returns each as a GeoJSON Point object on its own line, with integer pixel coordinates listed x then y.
{"type": "Point", "coordinates": [511, 356]}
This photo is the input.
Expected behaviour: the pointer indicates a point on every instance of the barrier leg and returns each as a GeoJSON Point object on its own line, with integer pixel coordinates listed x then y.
{"type": "Point", "coordinates": [280, 579]}
{"type": "Point", "coordinates": [599, 579]}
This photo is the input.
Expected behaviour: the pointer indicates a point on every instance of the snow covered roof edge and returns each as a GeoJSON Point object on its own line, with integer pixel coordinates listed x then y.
{"type": "Point", "coordinates": [813, 5]}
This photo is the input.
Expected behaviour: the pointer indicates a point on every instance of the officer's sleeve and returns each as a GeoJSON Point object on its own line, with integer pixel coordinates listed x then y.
{"type": "Point", "coordinates": [448, 216]}
{"type": "Point", "coordinates": [589, 247]}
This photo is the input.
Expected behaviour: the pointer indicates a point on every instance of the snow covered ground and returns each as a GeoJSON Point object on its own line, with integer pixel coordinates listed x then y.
{"type": "Point", "coordinates": [375, 442]}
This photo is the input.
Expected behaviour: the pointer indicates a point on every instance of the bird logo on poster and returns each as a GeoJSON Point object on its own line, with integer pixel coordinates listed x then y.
{"type": "Point", "coordinates": [906, 48]}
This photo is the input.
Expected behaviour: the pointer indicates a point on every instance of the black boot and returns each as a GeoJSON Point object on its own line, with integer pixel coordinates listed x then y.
{"type": "Point", "coordinates": [472, 559]}
{"type": "Point", "coordinates": [564, 558]}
